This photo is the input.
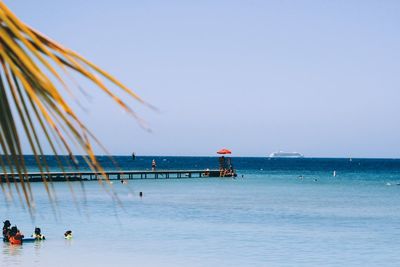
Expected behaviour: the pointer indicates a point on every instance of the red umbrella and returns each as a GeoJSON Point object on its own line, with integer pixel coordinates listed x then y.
{"type": "Point", "coordinates": [224, 151]}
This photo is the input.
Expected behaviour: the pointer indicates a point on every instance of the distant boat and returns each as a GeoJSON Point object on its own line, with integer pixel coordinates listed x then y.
{"type": "Point", "coordinates": [282, 154]}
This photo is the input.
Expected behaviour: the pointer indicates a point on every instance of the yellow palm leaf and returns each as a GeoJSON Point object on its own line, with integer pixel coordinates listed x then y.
{"type": "Point", "coordinates": [29, 96]}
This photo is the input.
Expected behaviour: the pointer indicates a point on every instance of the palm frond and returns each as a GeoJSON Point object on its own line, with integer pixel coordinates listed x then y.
{"type": "Point", "coordinates": [32, 65]}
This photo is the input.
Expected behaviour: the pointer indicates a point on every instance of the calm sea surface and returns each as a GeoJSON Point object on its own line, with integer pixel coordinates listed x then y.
{"type": "Point", "coordinates": [282, 212]}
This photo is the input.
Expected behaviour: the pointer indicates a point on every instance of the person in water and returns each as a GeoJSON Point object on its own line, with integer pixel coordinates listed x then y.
{"type": "Point", "coordinates": [153, 165]}
{"type": "Point", "coordinates": [15, 236]}
{"type": "Point", "coordinates": [38, 234]}
{"type": "Point", "coordinates": [6, 230]}
{"type": "Point", "coordinates": [68, 234]}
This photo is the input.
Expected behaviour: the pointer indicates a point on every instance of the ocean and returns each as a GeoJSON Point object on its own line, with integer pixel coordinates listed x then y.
{"type": "Point", "coordinates": [277, 212]}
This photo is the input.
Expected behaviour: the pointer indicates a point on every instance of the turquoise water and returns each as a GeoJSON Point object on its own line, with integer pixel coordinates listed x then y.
{"type": "Point", "coordinates": [270, 217]}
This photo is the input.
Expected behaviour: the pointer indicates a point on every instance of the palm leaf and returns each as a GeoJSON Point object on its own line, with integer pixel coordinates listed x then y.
{"type": "Point", "coordinates": [31, 67]}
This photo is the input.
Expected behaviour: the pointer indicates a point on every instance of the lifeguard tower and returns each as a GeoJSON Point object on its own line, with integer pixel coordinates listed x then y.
{"type": "Point", "coordinates": [225, 164]}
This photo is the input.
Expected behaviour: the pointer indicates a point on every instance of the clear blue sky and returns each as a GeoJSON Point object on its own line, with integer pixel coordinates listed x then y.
{"type": "Point", "coordinates": [317, 77]}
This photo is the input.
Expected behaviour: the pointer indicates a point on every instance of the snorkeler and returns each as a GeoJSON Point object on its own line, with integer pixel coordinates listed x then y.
{"type": "Point", "coordinates": [38, 234]}
{"type": "Point", "coordinates": [68, 234]}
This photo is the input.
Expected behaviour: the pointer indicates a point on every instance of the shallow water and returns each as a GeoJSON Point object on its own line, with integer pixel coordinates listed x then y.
{"type": "Point", "coordinates": [270, 217]}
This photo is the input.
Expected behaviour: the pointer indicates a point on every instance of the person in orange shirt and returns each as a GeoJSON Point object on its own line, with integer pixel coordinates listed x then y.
{"type": "Point", "coordinates": [15, 236]}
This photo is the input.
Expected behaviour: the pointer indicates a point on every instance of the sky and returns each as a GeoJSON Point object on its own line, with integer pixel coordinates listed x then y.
{"type": "Point", "coordinates": [317, 77]}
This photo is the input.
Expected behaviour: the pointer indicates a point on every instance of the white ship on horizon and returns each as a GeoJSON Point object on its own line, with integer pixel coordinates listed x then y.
{"type": "Point", "coordinates": [282, 154]}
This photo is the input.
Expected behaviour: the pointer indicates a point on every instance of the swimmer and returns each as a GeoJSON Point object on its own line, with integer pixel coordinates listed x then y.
{"type": "Point", "coordinates": [68, 234]}
{"type": "Point", "coordinates": [38, 234]}
{"type": "Point", "coordinates": [15, 236]}
{"type": "Point", "coordinates": [140, 194]}
{"type": "Point", "coordinates": [6, 230]}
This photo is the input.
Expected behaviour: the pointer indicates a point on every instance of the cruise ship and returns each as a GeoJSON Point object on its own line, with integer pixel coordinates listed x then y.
{"type": "Point", "coordinates": [282, 154]}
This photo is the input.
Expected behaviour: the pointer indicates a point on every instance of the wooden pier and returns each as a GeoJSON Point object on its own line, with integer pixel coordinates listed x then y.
{"type": "Point", "coordinates": [115, 175]}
